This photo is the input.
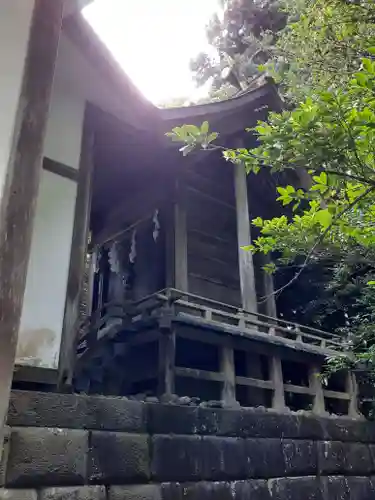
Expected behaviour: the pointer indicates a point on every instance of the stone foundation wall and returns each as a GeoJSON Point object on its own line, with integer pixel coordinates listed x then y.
{"type": "Point", "coordinates": [101, 448]}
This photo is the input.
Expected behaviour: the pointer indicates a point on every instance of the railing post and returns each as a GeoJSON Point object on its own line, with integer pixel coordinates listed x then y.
{"type": "Point", "coordinates": [278, 399]}
{"type": "Point", "coordinates": [316, 387]}
{"type": "Point", "coordinates": [228, 393]}
{"type": "Point", "coordinates": [352, 390]}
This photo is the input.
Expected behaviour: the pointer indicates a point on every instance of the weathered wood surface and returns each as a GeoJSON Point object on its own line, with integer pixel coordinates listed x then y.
{"type": "Point", "coordinates": [23, 171]}
{"type": "Point", "coordinates": [77, 255]}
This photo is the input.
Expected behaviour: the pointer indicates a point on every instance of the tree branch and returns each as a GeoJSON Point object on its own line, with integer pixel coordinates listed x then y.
{"type": "Point", "coordinates": [316, 244]}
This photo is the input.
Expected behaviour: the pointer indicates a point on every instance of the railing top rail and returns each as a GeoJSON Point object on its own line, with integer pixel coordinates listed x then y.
{"type": "Point", "coordinates": [238, 310]}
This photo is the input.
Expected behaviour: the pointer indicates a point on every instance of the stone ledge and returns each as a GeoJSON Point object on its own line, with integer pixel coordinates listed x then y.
{"type": "Point", "coordinates": [74, 493]}
{"type": "Point", "coordinates": [33, 409]}
{"type": "Point", "coordinates": [6, 494]}
{"type": "Point", "coordinates": [73, 411]}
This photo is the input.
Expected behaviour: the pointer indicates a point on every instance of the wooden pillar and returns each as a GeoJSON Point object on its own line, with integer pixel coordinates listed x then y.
{"type": "Point", "coordinates": [166, 368]}
{"type": "Point", "coordinates": [352, 390]}
{"type": "Point", "coordinates": [268, 288]}
{"type": "Point", "coordinates": [22, 169]}
{"type": "Point", "coordinates": [245, 258]}
{"type": "Point", "coordinates": [180, 239]}
{"type": "Point", "coordinates": [278, 399]}
{"type": "Point", "coordinates": [77, 255]}
{"type": "Point", "coordinates": [228, 393]}
{"type": "Point", "coordinates": [315, 385]}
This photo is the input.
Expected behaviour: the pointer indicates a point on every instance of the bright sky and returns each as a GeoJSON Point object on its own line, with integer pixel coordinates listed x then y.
{"type": "Point", "coordinates": [154, 40]}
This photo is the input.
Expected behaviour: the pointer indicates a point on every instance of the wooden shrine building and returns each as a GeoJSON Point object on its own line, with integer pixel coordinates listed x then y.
{"type": "Point", "coordinates": [121, 268]}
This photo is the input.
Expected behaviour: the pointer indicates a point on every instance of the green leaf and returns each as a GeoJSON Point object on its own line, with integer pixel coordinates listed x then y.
{"type": "Point", "coordinates": [205, 127]}
{"type": "Point", "coordinates": [212, 137]}
{"type": "Point", "coordinates": [324, 217]}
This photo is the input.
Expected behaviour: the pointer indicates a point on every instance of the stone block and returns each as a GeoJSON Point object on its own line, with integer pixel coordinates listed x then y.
{"type": "Point", "coordinates": [74, 493]}
{"type": "Point", "coordinates": [346, 429]}
{"type": "Point", "coordinates": [310, 427]}
{"type": "Point", "coordinates": [253, 489]}
{"type": "Point", "coordinates": [46, 457]}
{"type": "Point", "coordinates": [223, 458]}
{"type": "Point", "coordinates": [336, 457]}
{"type": "Point", "coordinates": [172, 419]}
{"type": "Point", "coordinates": [39, 409]}
{"type": "Point", "coordinates": [335, 488]}
{"type": "Point", "coordinates": [176, 458]}
{"type": "Point", "coordinates": [264, 458]}
{"type": "Point", "coordinates": [361, 488]}
{"type": "Point", "coordinates": [220, 422]}
{"type": "Point", "coordinates": [300, 457]}
{"type": "Point", "coordinates": [115, 414]}
{"type": "Point", "coordinates": [139, 492]}
{"type": "Point", "coordinates": [207, 491]}
{"type": "Point", "coordinates": [118, 458]}
{"type": "Point", "coordinates": [46, 409]}
{"type": "Point", "coordinates": [4, 455]}
{"type": "Point", "coordinates": [269, 425]}
{"type": "Point", "coordinates": [6, 494]}
{"type": "Point", "coordinates": [172, 491]}
{"type": "Point", "coordinates": [296, 488]}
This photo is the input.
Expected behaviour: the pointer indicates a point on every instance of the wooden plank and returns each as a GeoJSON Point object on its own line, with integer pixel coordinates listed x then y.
{"type": "Point", "coordinates": [228, 393]}
{"type": "Point", "coordinates": [20, 192]}
{"type": "Point", "coordinates": [255, 382]}
{"type": "Point", "coordinates": [298, 389]}
{"type": "Point", "coordinates": [217, 272]}
{"type": "Point", "coordinates": [166, 365]}
{"type": "Point", "coordinates": [60, 169]}
{"type": "Point", "coordinates": [213, 187]}
{"type": "Point", "coordinates": [245, 258]}
{"type": "Point", "coordinates": [199, 374]}
{"type": "Point", "coordinates": [337, 395]}
{"type": "Point", "coordinates": [213, 248]}
{"type": "Point", "coordinates": [77, 255]}
{"type": "Point", "coordinates": [214, 290]}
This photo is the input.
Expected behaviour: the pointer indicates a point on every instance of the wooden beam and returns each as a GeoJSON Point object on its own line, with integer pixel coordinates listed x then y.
{"type": "Point", "coordinates": [167, 357]}
{"type": "Point", "coordinates": [255, 382]}
{"type": "Point", "coordinates": [199, 374]}
{"type": "Point", "coordinates": [60, 169]}
{"type": "Point", "coordinates": [228, 393]}
{"type": "Point", "coordinates": [245, 258]}
{"type": "Point", "coordinates": [22, 175]}
{"type": "Point", "coordinates": [180, 235]}
{"type": "Point", "coordinates": [77, 255]}
{"type": "Point", "coordinates": [278, 399]}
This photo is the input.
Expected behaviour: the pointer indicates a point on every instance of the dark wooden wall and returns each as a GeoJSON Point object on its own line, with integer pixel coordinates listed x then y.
{"type": "Point", "coordinates": [211, 228]}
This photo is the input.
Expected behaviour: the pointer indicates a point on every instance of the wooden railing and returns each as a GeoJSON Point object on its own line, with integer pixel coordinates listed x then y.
{"type": "Point", "coordinates": [114, 317]}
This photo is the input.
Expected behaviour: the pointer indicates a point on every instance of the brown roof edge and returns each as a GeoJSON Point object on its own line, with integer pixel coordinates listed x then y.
{"type": "Point", "coordinates": [84, 37]}
{"type": "Point", "coordinates": [245, 99]}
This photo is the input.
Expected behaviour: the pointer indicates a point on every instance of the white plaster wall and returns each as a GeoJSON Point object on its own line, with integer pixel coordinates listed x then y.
{"type": "Point", "coordinates": [43, 311]}
{"type": "Point", "coordinates": [44, 302]}
{"type": "Point", "coordinates": [64, 127]}
{"type": "Point", "coordinates": [15, 20]}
